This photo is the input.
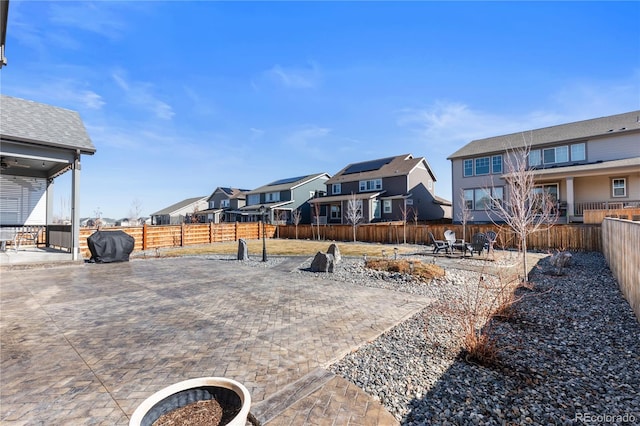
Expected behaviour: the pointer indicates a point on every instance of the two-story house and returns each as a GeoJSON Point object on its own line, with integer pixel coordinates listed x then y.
{"type": "Point", "coordinates": [222, 201]}
{"type": "Point", "coordinates": [277, 200]}
{"type": "Point", "coordinates": [590, 164]}
{"type": "Point", "coordinates": [385, 189]}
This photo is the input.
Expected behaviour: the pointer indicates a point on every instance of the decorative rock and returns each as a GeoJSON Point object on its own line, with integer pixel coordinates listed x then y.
{"type": "Point", "coordinates": [243, 251]}
{"type": "Point", "coordinates": [322, 262]}
{"type": "Point", "coordinates": [335, 251]}
{"type": "Point", "coordinates": [561, 259]}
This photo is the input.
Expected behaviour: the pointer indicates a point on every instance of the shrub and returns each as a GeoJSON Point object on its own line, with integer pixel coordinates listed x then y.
{"type": "Point", "coordinates": [415, 268]}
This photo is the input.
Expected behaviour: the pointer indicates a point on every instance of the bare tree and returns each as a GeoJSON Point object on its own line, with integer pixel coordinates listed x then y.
{"type": "Point", "coordinates": [464, 215]}
{"type": "Point", "coordinates": [316, 216]}
{"type": "Point", "coordinates": [98, 218]}
{"type": "Point", "coordinates": [135, 211]}
{"type": "Point", "coordinates": [525, 208]}
{"type": "Point", "coordinates": [194, 215]}
{"type": "Point", "coordinates": [354, 213]}
{"type": "Point", "coordinates": [296, 217]}
{"type": "Point", "coordinates": [404, 211]}
{"type": "Point", "coordinates": [414, 215]}
{"type": "Point", "coordinates": [279, 216]}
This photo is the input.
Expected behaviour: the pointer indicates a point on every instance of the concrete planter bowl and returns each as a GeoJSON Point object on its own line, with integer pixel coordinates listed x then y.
{"type": "Point", "coordinates": [226, 391]}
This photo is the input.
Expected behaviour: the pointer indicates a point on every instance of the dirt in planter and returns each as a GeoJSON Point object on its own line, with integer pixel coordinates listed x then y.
{"type": "Point", "coordinates": [199, 413]}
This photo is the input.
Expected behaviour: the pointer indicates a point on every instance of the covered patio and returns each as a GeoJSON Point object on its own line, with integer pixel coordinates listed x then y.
{"type": "Point", "coordinates": [38, 143]}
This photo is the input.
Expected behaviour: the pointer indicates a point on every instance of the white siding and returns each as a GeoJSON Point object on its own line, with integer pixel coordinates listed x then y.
{"type": "Point", "coordinates": [23, 200]}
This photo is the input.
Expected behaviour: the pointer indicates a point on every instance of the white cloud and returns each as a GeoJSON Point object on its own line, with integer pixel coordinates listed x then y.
{"type": "Point", "coordinates": [97, 17]}
{"type": "Point", "coordinates": [141, 94]}
{"type": "Point", "coordinates": [65, 92]}
{"type": "Point", "coordinates": [303, 137]}
{"type": "Point", "coordinates": [296, 78]}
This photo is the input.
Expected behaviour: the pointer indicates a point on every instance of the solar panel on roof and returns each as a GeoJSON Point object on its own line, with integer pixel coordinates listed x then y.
{"type": "Point", "coordinates": [287, 180]}
{"type": "Point", "coordinates": [367, 166]}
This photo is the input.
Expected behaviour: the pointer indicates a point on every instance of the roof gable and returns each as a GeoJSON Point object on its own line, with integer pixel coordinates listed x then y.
{"type": "Point", "coordinates": [579, 130]}
{"type": "Point", "coordinates": [33, 122]}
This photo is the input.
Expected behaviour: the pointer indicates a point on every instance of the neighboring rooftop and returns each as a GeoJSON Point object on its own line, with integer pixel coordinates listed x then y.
{"type": "Point", "coordinates": [399, 165]}
{"type": "Point", "coordinates": [579, 130]}
{"type": "Point", "coordinates": [28, 121]}
{"type": "Point", "coordinates": [180, 205]}
{"type": "Point", "coordinates": [286, 183]}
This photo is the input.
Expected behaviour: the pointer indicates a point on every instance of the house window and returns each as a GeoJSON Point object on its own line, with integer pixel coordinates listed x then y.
{"type": "Point", "coordinates": [336, 188]}
{"type": "Point", "coordinates": [559, 154]}
{"type": "Point", "coordinates": [498, 196]}
{"type": "Point", "coordinates": [482, 166]}
{"type": "Point", "coordinates": [335, 211]}
{"type": "Point", "coordinates": [534, 158]}
{"type": "Point", "coordinates": [273, 197]}
{"type": "Point", "coordinates": [482, 199]}
{"type": "Point", "coordinates": [224, 203]}
{"type": "Point", "coordinates": [468, 199]}
{"type": "Point", "coordinates": [496, 164]}
{"type": "Point", "coordinates": [619, 187]}
{"type": "Point", "coordinates": [253, 199]}
{"type": "Point", "coordinates": [387, 206]}
{"type": "Point", "coordinates": [548, 190]}
{"type": "Point", "coordinates": [578, 152]}
{"type": "Point", "coordinates": [370, 185]}
{"type": "Point", "coordinates": [468, 168]}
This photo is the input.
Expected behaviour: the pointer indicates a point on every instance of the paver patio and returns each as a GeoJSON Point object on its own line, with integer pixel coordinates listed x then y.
{"type": "Point", "coordinates": [86, 344]}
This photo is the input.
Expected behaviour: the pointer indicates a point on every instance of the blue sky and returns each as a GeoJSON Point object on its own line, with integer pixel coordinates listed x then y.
{"type": "Point", "coordinates": [182, 97]}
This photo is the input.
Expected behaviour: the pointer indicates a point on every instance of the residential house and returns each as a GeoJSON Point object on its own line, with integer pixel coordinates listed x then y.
{"type": "Point", "coordinates": [39, 143]}
{"type": "Point", "coordinates": [590, 164]}
{"type": "Point", "coordinates": [184, 211]}
{"type": "Point", "coordinates": [386, 189]}
{"type": "Point", "coordinates": [277, 200]}
{"type": "Point", "coordinates": [221, 202]}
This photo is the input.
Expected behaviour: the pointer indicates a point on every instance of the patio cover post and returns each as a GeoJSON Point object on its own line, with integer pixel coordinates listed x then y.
{"type": "Point", "coordinates": [75, 208]}
{"type": "Point", "coordinates": [570, 199]}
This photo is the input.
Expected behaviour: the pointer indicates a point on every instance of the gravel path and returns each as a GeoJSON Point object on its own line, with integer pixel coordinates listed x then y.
{"type": "Point", "coordinates": [570, 353]}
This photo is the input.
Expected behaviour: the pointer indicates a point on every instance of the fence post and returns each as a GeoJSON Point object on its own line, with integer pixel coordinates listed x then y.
{"type": "Point", "coordinates": [182, 234]}
{"type": "Point", "coordinates": [144, 236]}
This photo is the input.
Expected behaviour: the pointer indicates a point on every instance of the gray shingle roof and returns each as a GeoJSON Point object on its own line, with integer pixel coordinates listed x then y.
{"type": "Point", "coordinates": [286, 186]}
{"type": "Point", "coordinates": [27, 121]}
{"type": "Point", "coordinates": [177, 206]}
{"type": "Point", "coordinates": [579, 130]}
{"type": "Point", "coordinates": [399, 165]}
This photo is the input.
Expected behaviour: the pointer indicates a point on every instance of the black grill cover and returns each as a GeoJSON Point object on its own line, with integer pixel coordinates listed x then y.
{"type": "Point", "coordinates": [110, 246]}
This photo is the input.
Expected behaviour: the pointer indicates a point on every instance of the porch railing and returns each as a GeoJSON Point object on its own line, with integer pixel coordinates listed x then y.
{"type": "Point", "coordinates": [579, 208]}
{"type": "Point", "coordinates": [59, 236]}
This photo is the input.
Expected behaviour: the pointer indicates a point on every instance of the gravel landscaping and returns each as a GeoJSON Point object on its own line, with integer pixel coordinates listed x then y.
{"type": "Point", "coordinates": [569, 352]}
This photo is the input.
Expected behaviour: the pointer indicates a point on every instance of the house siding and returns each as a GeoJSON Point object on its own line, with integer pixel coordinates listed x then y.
{"type": "Point", "coordinates": [589, 186]}
{"type": "Point", "coordinates": [613, 148]}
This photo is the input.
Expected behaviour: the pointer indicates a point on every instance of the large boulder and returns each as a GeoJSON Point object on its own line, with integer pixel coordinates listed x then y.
{"type": "Point", "coordinates": [322, 262]}
{"type": "Point", "coordinates": [243, 251]}
{"type": "Point", "coordinates": [335, 251]}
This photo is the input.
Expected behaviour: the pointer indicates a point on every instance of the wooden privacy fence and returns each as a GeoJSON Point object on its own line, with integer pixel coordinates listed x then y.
{"type": "Point", "coordinates": [559, 237]}
{"type": "Point", "coordinates": [597, 216]}
{"type": "Point", "coordinates": [621, 248]}
{"type": "Point", "coordinates": [150, 237]}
